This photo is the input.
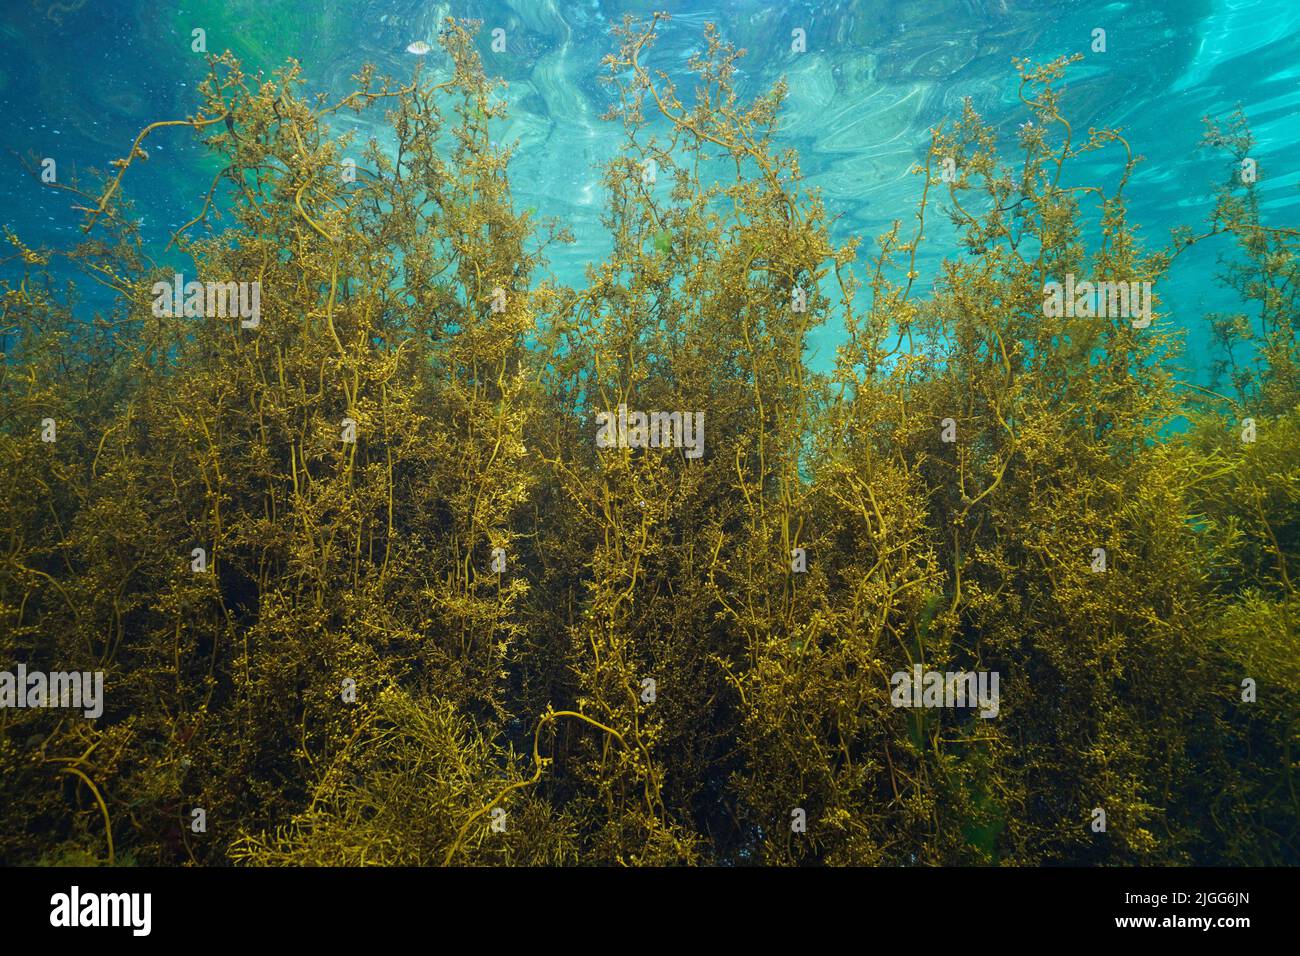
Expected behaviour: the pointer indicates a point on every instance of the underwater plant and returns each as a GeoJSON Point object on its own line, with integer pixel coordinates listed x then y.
{"type": "Point", "coordinates": [412, 557]}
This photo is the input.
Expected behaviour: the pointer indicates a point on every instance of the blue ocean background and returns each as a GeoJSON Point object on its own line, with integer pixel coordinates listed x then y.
{"type": "Point", "coordinates": [79, 79]}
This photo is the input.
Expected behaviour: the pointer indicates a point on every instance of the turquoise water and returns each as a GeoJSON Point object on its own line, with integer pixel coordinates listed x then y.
{"type": "Point", "coordinates": [79, 80]}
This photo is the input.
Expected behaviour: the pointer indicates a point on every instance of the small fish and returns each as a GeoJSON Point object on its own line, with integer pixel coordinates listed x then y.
{"type": "Point", "coordinates": [419, 48]}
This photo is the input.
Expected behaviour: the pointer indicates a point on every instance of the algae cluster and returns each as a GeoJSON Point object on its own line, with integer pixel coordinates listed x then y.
{"type": "Point", "coordinates": [457, 631]}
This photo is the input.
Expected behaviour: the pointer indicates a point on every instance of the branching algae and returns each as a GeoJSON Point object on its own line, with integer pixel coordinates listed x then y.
{"type": "Point", "coordinates": [366, 588]}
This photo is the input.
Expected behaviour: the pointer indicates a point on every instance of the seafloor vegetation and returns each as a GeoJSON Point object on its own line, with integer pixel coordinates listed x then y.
{"type": "Point", "coordinates": [435, 642]}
